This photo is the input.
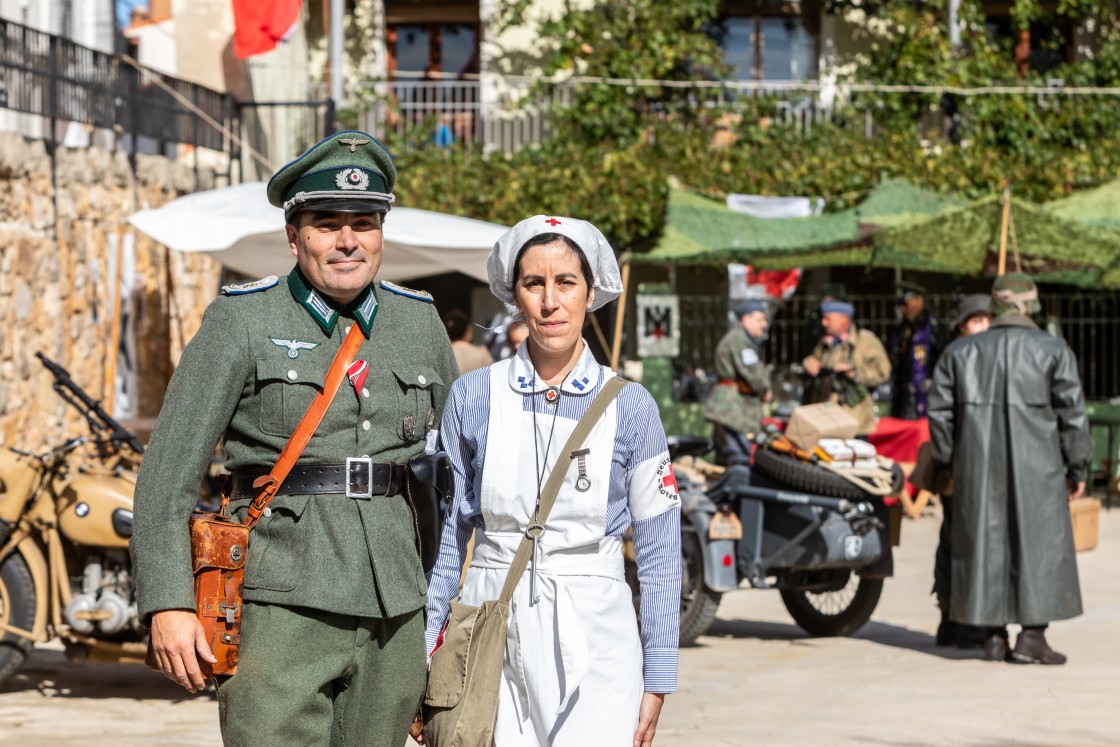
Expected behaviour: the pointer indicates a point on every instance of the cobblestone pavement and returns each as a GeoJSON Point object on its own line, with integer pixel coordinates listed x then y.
{"type": "Point", "coordinates": [756, 679]}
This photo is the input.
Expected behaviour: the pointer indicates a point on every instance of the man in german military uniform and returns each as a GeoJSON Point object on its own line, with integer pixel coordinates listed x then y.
{"type": "Point", "coordinates": [735, 406]}
{"type": "Point", "coordinates": [332, 632]}
{"type": "Point", "coordinates": [847, 364]}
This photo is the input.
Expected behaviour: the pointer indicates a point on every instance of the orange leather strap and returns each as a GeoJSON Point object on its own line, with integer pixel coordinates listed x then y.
{"type": "Point", "coordinates": [270, 483]}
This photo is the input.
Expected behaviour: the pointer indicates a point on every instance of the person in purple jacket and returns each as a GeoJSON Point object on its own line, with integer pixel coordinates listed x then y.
{"type": "Point", "coordinates": [914, 346]}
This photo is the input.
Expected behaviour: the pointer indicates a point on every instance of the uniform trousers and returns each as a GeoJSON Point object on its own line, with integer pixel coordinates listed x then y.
{"type": "Point", "coordinates": [308, 677]}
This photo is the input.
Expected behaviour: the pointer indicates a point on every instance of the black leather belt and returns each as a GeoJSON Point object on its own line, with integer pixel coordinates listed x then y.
{"type": "Point", "coordinates": [358, 477]}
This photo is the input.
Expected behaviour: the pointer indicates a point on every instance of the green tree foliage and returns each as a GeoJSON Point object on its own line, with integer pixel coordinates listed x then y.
{"type": "Point", "coordinates": [634, 40]}
{"type": "Point", "coordinates": [622, 191]}
{"type": "Point", "coordinates": [613, 149]}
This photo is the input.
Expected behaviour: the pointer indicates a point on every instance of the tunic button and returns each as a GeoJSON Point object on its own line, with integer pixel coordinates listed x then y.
{"type": "Point", "coordinates": [421, 379]}
{"type": "Point", "coordinates": [292, 375]}
{"type": "Point", "coordinates": [365, 392]}
{"type": "Point", "coordinates": [349, 328]}
{"type": "Point", "coordinates": [267, 511]}
{"type": "Point", "coordinates": [365, 425]}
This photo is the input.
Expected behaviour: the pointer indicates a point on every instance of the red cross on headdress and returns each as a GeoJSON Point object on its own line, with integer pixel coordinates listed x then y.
{"type": "Point", "coordinates": [552, 222]}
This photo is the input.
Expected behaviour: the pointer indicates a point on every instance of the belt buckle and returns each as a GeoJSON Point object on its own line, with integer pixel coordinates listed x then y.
{"type": "Point", "coordinates": [358, 486]}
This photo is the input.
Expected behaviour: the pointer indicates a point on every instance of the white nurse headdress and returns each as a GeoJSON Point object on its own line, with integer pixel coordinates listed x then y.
{"type": "Point", "coordinates": [604, 266]}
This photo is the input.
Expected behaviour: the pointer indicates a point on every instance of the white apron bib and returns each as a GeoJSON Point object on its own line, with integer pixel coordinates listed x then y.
{"type": "Point", "coordinates": [573, 669]}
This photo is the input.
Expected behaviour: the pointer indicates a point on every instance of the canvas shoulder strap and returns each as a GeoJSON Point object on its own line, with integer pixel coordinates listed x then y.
{"type": "Point", "coordinates": [269, 484]}
{"type": "Point", "coordinates": [594, 413]}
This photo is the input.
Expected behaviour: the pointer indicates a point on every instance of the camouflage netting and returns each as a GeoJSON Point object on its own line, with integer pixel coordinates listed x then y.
{"type": "Point", "coordinates": [900, 225]}
{"type": "Point", "coordinates": [965, 241]}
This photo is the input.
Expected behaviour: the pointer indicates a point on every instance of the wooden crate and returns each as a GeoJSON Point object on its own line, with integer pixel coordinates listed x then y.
{"type": "Point", "coordinates": [1085, 513]}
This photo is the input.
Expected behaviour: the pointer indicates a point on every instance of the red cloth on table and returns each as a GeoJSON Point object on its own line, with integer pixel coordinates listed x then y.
{"type": "Point", "coordinates": [899, 439]}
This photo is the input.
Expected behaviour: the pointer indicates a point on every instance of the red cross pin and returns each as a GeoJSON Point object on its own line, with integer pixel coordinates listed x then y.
{"type": "Point", "coordinates": [552, 222]}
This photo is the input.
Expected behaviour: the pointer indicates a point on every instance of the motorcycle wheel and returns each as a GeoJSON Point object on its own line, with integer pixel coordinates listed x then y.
{"type": "Point", "coordinates": [698, 602]}
{"type": "Point", "coordinates": [834, 613]}
{"type": "Point", "coordinates": [17, 608]}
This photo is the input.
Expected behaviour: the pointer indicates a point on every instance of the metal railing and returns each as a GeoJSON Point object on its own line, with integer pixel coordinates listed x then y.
{"type": "Point", "coordinates": [1089, 322]}
{"type": "Point", "coordinates": [506, 114]}
{"type": "Point", "coordinates": [52, 77]}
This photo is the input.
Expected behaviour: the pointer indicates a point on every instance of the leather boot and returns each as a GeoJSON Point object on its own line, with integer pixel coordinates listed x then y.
{"type": "Point", "coordinates": [969, 636]}
{"type": "Point", "coordinates": [995, 644]}
{"type": "Point", "coordinates": [1031, 648]}
{"type": "Point", "coordinates": [946, 629]}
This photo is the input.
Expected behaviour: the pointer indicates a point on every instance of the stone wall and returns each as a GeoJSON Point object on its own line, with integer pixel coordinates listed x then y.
{"type": "Point", "coordinates": [56, 293]}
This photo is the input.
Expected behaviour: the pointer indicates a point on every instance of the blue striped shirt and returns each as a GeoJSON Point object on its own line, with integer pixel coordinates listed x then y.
{"type": "Point", "coordinates": [639, 438]}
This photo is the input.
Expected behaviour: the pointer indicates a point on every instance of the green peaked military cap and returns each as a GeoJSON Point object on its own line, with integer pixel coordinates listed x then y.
{"type": "Point", "coordinates": [1015, 291]}
{"type": "Point", "coordinates": [905, 289]}
{"type": "Point", "coordinates": [348, 172]}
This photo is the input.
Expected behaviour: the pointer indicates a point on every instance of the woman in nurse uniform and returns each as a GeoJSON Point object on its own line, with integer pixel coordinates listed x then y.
{"type": "Point", "coordinates": [577, 670]}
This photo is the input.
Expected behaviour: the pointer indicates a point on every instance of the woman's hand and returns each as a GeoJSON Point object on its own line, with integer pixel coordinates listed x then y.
{"type": "Point", "coordinates": [416, 731]}
{"type": "Point", "coordinates": [648, 714]}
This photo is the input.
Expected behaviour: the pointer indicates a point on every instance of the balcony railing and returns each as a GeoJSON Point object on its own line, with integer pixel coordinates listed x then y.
{"type": "Point", "coordinates": [56, 79]}
{"type": "Point", "coordinates": [504, 114]}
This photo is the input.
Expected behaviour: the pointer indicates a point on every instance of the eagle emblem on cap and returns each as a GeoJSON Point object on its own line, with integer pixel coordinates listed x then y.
{"type": "Point", "coordinates": [353, 142]}
{"type": "Point", "coordinates": [352, 179]}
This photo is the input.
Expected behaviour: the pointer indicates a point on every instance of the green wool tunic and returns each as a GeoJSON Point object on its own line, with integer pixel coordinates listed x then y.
{"type": "Point", "coordinates": [249, 376]}
{"type": "Point", "coordinates": [739, 357]}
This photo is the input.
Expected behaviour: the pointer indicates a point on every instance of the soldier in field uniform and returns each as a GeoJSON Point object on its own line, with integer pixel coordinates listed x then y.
{"type": "Point", "coordinates": [735, 406]}
{"type": "Point", "coordinates": [332, 635]}
{"type": "Point", "coordinates": [847, 364]}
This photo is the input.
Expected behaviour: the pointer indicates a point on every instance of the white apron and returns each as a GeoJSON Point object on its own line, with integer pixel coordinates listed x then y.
{"type": "Point", "coordinates": [573, 666]}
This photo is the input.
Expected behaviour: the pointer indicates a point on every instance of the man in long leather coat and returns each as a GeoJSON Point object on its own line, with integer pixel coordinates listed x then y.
{"type": "Point", "coordinates": [1006, 411]}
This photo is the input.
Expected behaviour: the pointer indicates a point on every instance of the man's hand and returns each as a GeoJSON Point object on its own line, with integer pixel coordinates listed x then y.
{"type": "Point", "coordinates": [176, 636]}
{"type": "Point", "coordinates": [648, 714]}
{"type": "Point", "coordinates": [846, 369]}
{"type": "Point", "coordinates": [1076, 489]}
{"type": "Point", "coordinates": [812, 366]}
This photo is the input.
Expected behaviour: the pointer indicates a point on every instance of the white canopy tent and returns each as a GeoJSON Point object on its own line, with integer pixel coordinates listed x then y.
{"type": "Point", "coordinates": [238, 227]}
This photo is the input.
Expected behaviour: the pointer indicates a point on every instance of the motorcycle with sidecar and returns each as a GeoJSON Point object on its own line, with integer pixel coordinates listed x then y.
{"type": "Point", "coordinates": [785, 522]}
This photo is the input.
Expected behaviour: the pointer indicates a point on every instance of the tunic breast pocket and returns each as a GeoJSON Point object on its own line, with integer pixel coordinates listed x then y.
{"type": "Point", "coordinates": [285, 390]}
{"type": "Point", "coordinates": [414, 398]}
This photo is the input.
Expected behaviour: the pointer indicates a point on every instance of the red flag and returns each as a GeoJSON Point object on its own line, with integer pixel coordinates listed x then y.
{"type": "Point", "coordinates": [778, 283]}
{"type": "Point", "coordinates": [259, 25]}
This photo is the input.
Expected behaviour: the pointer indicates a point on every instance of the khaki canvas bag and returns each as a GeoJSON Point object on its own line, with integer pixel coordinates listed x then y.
{"type": "Point", "coordinates": [461, 704]}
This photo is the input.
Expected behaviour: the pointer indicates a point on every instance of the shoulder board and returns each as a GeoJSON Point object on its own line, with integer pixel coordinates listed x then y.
{"type": "Point", "coordinates": [253, 287]}
{"type": "Point", "coordinates": [407, 292]}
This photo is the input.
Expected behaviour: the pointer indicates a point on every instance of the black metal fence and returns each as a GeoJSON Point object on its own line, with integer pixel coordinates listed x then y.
{"type": "Point", "coordinates": [1089, 322]}
{"type": "Point", "coordinates": [49, 76]}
